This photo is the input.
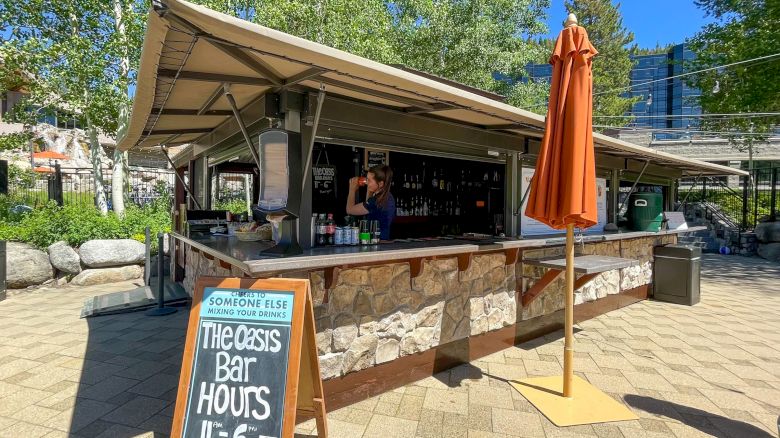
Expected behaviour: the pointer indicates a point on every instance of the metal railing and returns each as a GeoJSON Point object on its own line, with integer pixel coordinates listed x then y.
{"type": "Point", "coordinates": [77, 186]}
{"type": "Point", "coordinates": [739, 202]}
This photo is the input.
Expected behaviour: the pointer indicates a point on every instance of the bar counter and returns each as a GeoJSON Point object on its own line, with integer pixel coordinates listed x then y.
{"type": "Point", "coordinates": [397, 312]}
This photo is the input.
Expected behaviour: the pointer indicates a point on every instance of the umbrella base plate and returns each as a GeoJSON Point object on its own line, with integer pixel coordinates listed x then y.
{"type": "Point", "coordinates": [588, 404]}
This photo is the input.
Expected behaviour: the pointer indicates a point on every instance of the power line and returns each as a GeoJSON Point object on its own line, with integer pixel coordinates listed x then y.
{"type": "Point", "coordinates": [766, 58]}
{"type": "Point", "coordinates": [689, 73]}
{"type": "Point", "coordinates": [685, 116]}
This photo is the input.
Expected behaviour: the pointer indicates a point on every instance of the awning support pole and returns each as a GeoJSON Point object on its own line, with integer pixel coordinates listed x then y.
{"type": "Point", "coordinates": [696, 181]}
{"type": "Point", "coordinates": [623, 204]}
{"type": "Point", "coordinates": [164, 149]}
{"type": "Point", "coordinates": [316, 122]}
{"type": "Point", "coordinates": [237, 114]}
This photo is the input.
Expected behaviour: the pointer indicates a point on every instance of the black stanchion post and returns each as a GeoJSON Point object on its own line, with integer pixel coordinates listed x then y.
{"type": "Point", "coordinates": [160, 309]}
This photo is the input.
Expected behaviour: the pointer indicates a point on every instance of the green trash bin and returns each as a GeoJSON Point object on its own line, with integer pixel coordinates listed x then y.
{"type": "Point", "coordinates": [645, 211]}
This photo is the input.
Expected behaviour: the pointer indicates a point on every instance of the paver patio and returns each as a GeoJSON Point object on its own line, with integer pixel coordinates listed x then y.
{"type": "Point", "coordinates": [708, 370]}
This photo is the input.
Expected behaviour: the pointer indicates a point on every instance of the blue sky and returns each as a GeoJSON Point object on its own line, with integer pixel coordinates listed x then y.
{"type": "Point", "coordinates": [652, 21]}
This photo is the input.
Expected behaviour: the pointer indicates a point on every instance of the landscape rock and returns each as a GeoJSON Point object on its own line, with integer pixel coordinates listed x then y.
{"type": "Point", "coordinates": [395, 325]}
{"type": "Point", "coordinates": [387, 350]}
{"type": "Point", "coordinates": [768, 232]}
{"type": "Point", "coordinates": [64, 258]}
{"type": "Point", "coordinates": [429, 316]}
{"type": "Point", "coordinates": [421, 339]}
{"type": "Point", "coordinates": [330, 365]}
{"type": "Point", "coordinates": [360, 354]}
{"type": "Point", "coordinates": [106, 253]}
{"type": "Point", "coordinates": [90, 277]}
{"type": "Point", "coordinates": [26, 266]}
{"type": "Point", "coordinates": [344, 336]}
{"type": "Point", "coordinates": [770, 251]}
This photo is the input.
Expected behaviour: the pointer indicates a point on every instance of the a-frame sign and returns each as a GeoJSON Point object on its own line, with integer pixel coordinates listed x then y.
{"type": "Point", "coordinates": [250, 361]}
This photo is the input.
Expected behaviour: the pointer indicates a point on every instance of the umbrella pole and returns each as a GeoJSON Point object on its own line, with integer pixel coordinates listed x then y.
{"type": "Point", "coordinates": [568, 346]}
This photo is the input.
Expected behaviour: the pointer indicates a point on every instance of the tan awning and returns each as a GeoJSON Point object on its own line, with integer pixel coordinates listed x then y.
{"type": "Point", "coordinates": [190, 51]}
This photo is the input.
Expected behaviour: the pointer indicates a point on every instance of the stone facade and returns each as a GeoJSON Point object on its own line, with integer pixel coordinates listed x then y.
{"type": "Point", "coordinates": [606, 283]}
{"type": "Point", "coordinates": [376, 314]}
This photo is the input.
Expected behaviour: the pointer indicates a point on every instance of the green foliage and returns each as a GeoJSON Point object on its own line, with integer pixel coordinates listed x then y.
{"type": "Point", "coordinates": [612, 66]}
{"type": "Point", "coordinates": [235, 206]}
{"type": "Point", "coordinates": [77, 223]}
{"type": "Point", "coordinates": [743, 30]}
{"type": "Point", "coordinates": [465, 41]}
{"type": "Point", "coordinates": [19, 177]}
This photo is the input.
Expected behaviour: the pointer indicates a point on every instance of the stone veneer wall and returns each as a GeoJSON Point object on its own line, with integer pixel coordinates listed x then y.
{"type": "Point", "coordinates": [375, 314]}
{"type": "Point", "coordinates": [606, 283]}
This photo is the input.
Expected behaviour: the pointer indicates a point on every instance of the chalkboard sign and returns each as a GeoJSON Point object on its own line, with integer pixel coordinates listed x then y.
{"type": "Point", "coordinates": [324, 177]}
{"type": "Point", "coordinates": [250, 360]}
{"type": "Point", "coordinates": [376, 158]}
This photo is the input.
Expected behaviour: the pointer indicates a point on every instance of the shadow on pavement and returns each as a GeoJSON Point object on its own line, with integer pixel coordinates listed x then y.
{"type": "Point", "coordinates": [130, 375]}
{"type": "Point", "coordinates": [704, 421]}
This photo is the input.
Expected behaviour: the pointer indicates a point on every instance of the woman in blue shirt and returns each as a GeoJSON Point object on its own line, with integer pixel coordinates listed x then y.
{"type": "Point", "coordinates": [380, 204]}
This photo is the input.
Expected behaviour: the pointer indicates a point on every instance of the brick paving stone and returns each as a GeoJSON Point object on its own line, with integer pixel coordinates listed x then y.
{"type": "Point", "coordinates": [720, 361]}
{"type": "Point", "coordinates": [513, 423]}
{"type": "Point", "coordinates": [446, 401]}
{"type": "Point", "coordinates": [384, 426]}
{"type": "Point", "coordinates": [26, 430]}
{"type": "Point", "coordinates": [136, 411]}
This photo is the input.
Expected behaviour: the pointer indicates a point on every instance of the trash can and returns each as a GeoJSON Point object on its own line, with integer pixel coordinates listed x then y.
{"type": "Point", "coordinates": [645, 211]}
{"type": "Point", "coordinates": [676, 274]}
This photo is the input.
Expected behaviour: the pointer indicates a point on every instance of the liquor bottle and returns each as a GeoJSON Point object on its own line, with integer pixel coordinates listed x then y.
{"type": "Point", "coordinates": [331, 230]}
{"type": "Point", "coordinates": [441, 179]}
{"type": "Point", "coordinates": [435, 181]}
{"type": "Point", "coordinates": [321, 230]}
{"type": "Point", "coordinates": [457, 205]}
{"type": "Point", "coordinates": [425, 207]}
{"type": "Point", "coordinates": [314, 229]}
{"type": "Point", "coordinates": [417, 207]}
{"type": "Point", "coordinates": [406, 183]}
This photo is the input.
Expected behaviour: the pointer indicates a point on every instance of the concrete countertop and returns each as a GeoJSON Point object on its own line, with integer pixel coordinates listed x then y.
{"type": "Point", "coordinates": [248, 256]}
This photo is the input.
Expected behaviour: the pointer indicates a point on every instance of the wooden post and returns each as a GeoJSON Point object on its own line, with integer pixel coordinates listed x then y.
{"type": "Point", "coordinates": [568, 346]}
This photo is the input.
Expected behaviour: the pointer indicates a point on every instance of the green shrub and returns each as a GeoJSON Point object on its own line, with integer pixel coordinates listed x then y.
{"type": "Point", "coordinates": [77, 223]}
{"type": "Point", "coordinates": [235, 206]}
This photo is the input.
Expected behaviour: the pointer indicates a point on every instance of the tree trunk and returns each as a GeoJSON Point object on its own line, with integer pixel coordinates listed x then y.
{"type": "Point", "coordinates": [97, 170]}
{"type": "Point", "coordinates": [117, 184]}
{"type": "Point", "coordinates": [120, 159]}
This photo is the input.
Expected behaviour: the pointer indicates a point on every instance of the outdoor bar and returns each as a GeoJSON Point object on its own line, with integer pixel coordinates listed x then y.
{"type": "Point", "coordinates": [463, 274]}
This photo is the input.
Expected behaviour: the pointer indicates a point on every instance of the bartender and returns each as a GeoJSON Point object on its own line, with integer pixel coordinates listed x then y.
{"type": "Point", "coordinates": [380, 204]}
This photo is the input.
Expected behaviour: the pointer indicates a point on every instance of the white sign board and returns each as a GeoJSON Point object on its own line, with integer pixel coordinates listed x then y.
{"type": "Point", "coordinates": [675, 220]}
{"type": "Point", "coordinates": [529, 227]}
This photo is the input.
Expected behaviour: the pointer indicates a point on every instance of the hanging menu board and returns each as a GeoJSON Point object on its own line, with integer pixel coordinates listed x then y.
{"type": "Point", "coordinates": [250, 360]}
{"type": "Point", "coordinates": [375, 157]}
{"type": "Point", "coordinates": [324, 178]}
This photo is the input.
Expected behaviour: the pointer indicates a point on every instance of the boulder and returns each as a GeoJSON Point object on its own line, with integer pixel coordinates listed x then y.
{"type": "Point", "coordinates": [770, 251]}
{"type": "Point", "coordinates": [105, 253]}
{"type": "Point", "coordinates": [26, 266]}
{"type": "Point", "coordinates": [64, 258]}
{"type": "Point", "coordinates": [768, 232]}
{"type": "Point", "coordinates": [90, 277]}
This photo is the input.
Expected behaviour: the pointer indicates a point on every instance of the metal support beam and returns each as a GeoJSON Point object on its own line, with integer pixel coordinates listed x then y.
{"type": "Point", "coordinates": [436, 107]}
{"type": "Point", "coordinates": [164, 149]}
{"type": "Point", "coordinates": [234, 52]}
{"type": "Point", "coordinates": [303, 76]}
{"type": "Point", "coordinates": [512, 181]}
{"type": "Point", "coordinates": [214, 77]}
{"type": "Point", "coordinates": [315, 124]}
{"type": "Point", "coordinates": [190, 112]}
{"type": "Point", "coordinates": [237, 114]}
{"type": "Point", "coordinates": [211, 100]}
{"type": "Point", "coordinates": [622, 204]}
{"type": "Point", "coordinates": [377, 93]}
{"type": "Point", "coordinates": [250, 61]}
{"type": "Point", "coordinates": [178, 131]}
{"type": "Point", "coordinates": [614, 184]}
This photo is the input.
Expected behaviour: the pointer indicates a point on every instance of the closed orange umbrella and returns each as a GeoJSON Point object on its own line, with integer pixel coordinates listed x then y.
{"type": "Point", "coordinates": [563, 190]}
